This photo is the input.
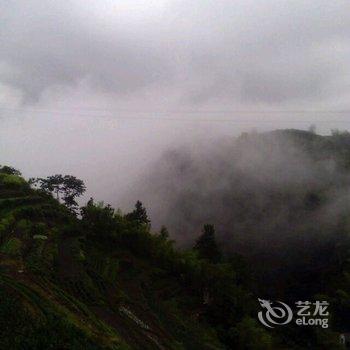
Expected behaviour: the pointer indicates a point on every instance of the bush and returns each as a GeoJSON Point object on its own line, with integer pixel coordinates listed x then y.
{"type": "Point", "coordinates": [5, 225]}
{"type": "Point", "coordinates": [39, 229]}
{"type": "Point", "coordinates": [29, 213]}
{"type": "Point", "coordinates": [9, 170]}
{"type": "Point", "coordinates": [24, 226]}
{"type": "Point", "coordinates": [12, 247]}
{"type": "Point", "coordinates": [12, 180]}
{"type": "Point", "coordinates": [249, 335]}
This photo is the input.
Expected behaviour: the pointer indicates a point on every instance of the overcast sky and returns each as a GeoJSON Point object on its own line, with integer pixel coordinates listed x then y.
{"type": "Point", "coordinates": [74, 73]}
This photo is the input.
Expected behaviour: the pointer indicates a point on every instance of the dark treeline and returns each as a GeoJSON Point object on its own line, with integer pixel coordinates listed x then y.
{"type": "Point", "coordinates": [281, 197]}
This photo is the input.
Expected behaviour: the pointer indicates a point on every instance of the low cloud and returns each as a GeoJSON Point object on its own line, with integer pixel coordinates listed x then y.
{"type": "Point", "coordinates": [245, 52]}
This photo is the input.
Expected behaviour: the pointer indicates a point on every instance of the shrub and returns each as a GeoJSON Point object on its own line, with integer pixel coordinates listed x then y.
{"type": "Point", "coordinates": [12, 247]}
{"type": "Point", "coordinates": [24, 225]}
{"type": "Point", "coordinates": [39, 229]}
{"type": "Point", "coordinates": [249, 335]}
{"type": "Point", "coordinates": [12, 180]}
{"type": "Point", "coordinates": [5, 225]}
{"type": "Point", "coordinates": [5, 169]}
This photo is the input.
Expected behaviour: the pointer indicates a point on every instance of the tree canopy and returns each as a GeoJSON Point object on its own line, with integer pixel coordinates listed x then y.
{"type": "Point", "coordinates": [4, 169]}
{"type": "Point", "coordinates": [66, 187]}
{"type": "Point", "coordinates": [206, 245]}
{"type": "Point", "coordinates": [139, 214]}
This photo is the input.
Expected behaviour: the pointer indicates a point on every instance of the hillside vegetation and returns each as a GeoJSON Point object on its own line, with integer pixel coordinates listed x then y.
{"type": "Point", "coordinates": [96, 278]}
{"type": "Point", "coordinates": [102, 281]}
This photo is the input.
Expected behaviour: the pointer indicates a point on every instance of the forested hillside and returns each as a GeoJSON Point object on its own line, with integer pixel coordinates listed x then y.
{"type": "Point", "coordinates": [281, 197]}
{"type": "Point", "coordinates": [104, 281]}
{"type": "Point", "coordinates": [97, 278]}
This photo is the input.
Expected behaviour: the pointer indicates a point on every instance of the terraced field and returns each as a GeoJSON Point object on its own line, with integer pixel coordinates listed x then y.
{"type": "Point", "coordinates": [70, 292]}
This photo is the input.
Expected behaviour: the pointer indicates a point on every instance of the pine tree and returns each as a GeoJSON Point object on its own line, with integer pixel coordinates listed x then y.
{"type": "Point", "coordinates": [206, 245]}
{"type": "Point", "coordinates": [139, 214]}
{"type": "Point", "coordinates": [164, 233]}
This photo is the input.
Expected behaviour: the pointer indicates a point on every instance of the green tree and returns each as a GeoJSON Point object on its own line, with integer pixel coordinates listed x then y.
{"type": "Point", "coordinates": [53, 184]}
{"type": "Point", "coordinates": [9, 170]}
{"type": "Point", "coordinates": [139, 214]}
{"type": "Point", "coordinates": [72, 188]}
{"type": "Point", "coordinates": [206, 245]}
{"type": "Point", "coordinates": [164, 233]}
{"type": "Point", "coordinates": [67, 187]}
{"type": "Point", "coordinates": [98, 218]}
